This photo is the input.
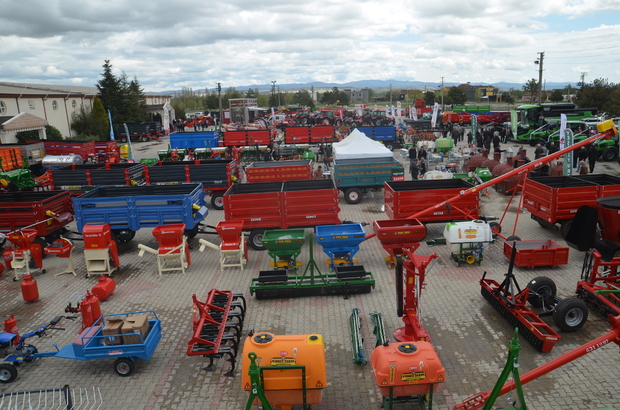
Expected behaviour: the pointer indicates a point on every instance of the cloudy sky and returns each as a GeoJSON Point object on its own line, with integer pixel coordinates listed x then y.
{"type": "Point", "coordinates": [171, 44]}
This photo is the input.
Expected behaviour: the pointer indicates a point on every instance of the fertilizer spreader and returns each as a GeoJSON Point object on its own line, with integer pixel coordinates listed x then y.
{"type": "Point", "coordinates": [340, 243]}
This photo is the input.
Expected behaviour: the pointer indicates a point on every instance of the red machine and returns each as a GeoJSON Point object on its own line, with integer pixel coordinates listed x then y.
{"type": "Point", "coordinates": [88, 306]}
{"type": "Point", "coordinates": [398, 235]}
{"type": "Point", "coordinates": [478, 400]}
{"type": "Point", "coordinates": [62, 248]}
{"type": "Point", "coordinates": [99, 250]}
{"type": "Point", "coordinates": [25, 255]}
{"type": "Point", "coordinates": [30, 290]}
{"type": "Point", "coordinates": [104, 288]}
{"type": "Point", "coordinates": [10, 326]}
{"type": "Point", "coordinates": [173, 252]}
{"type": "Point", "coordinates": [409, 287]}
{"type": "Point", "coordinates": [217, 325]}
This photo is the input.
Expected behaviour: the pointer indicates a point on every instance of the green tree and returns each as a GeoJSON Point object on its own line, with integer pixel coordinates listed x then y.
{"type": "Point", "coordinates": [429, 98]}
{"type": "Point", "coordinates": [92, 122]}
{"type": "Point", "coordinates": [457, 95]}
{"type": "Point", "coordinates": [51, 133]}
{"type": "Point", "coordinates": [599, 94]}
{"type": "Point", "coordinates": [556, 96]}
{"type": "Point", "coordinates": [531, 87]}
{"type": "Point", "coordinates": [507, 98]}
{"type": "Point", "coordinates": [303, 99]}
{"type": "Point", "coordinates": [124, 98]}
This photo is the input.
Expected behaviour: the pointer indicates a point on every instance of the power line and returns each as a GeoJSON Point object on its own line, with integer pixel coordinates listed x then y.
{"type": "Point", "coordinates": [588, 49]}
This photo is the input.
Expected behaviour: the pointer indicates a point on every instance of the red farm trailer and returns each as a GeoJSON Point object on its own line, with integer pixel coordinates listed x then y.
{"type": "Point", "coordinates": [80, 178]}
{"type": "Point", "coordinates": [274, 171]}
{"type": "Point", "coordinates": [321, 133]}
{"type": "Point", "coordinates": [404, 198]}
{"type": "Point", "coordinates": [297, 135]}
{"type": "Point", "coordinates": [84, 149]}
{"type": "Point", "coordinates": [281, 205]}
{"type": "Point", "coordinates": [555, 200]}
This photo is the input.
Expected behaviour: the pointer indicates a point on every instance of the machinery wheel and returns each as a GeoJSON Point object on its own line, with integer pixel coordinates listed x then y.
{"type": "Point", "coordinates": [325, 121]}
{"type": "Point", "coordinates": [513, 238]}
{"type": "Point", "coordinates": [124, 140]}
{"type": "Point", "coordinates": [495, 227]}
{"type": "Point", "coordinates": [43, 243]}
{"type": "Point", "coordinates": [123, 235]}
{"type": "Point", "coordinates": [338, 123]}
{"type": "Point", "coordinates": [543, 286]}
{"type": "Point", "coordinates": [609, 154]}
{"type": "Point", "coordinates": [378, 122]}
{"type": "Point", "coordinates": [565, 227]}
{"type": "Point", "coordinates": [256, 239]}
{"type": "Point", "coordinates": [390, 123]}
{"type": "Point", "coordinates": [144, 138]}
{"type": "Point", "coordinates": [8, 373]}
{"type": "Point", "coordinates": [353, 196]}
{"type": "Point", "coordinates": [389, 146]}
{"type": "Point", "coordinates": [542, 142]}
{"type": "Point", "coordinates": [570, 314]}
{"type": "Point", "coordinates": [532, 142]}
{"type": "Point", "coordinates": [353, 124]}
{"type": "Point", "coordinates": [217, 201]}
{"type": "Point", "coordinates": [124, 366]}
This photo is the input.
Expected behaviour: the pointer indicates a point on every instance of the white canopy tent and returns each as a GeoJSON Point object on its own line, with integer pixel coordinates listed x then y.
{"type": "Point", "coordinates": [357, 145]}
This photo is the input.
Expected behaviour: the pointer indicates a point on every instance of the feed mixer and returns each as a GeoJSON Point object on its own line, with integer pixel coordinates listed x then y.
{"type": "Point", "coordinates": [173, 252]}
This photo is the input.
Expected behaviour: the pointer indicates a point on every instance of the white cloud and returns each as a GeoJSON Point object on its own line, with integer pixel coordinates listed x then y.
{"type": "Point", "coordinates": [242, 42]}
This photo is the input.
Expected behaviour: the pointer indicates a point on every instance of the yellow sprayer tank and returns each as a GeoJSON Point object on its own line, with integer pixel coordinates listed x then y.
{"type": "Point", "coordinates": [283, 388]}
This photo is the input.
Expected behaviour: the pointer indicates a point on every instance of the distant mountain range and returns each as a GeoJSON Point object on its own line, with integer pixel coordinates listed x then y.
{"type": "Point", "coordinates": [379, 84]}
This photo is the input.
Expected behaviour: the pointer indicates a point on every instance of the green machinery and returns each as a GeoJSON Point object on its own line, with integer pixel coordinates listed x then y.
{"type": "Point", "coordinates": [284, 246]}
{"type": "Point", "coordinates": [276, 283]}
{"type": "Point", "coordinates": [21, 176]}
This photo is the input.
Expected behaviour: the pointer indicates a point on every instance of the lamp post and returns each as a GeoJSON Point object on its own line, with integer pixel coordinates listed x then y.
{"type": "Point", "coordinates": [219, 97]}
{"type": "Point", "coordinates": [540, 72]}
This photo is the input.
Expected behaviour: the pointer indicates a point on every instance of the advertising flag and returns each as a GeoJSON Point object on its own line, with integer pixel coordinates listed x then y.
{"type": "Point", "coordinates": [111, 127]}
{"type": "Point", "coordinates": [435, 113]}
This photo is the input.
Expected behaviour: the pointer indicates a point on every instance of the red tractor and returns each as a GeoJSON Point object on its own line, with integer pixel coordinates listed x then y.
{"type": "Point", "coordinates": [377, 118]}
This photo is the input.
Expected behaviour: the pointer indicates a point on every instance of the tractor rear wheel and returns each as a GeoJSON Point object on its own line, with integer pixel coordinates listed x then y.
{"type": "Point", "coordinates": [539, 288]}
{"type": "Point", "coordinates": [609, 154]}
{"type": "Point", "coordinates": [570, 314]}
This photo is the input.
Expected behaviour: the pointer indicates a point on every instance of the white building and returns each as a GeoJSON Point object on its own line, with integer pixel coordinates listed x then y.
{"type": "Point", "coordinates": [53, 105]}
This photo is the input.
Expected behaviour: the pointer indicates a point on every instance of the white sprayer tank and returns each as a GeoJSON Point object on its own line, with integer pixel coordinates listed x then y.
{"type": "Point", "coordinates": [467, 232]}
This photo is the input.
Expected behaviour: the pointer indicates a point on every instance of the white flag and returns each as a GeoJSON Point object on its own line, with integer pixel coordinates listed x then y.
{"type": "Point", "coordinates": [435, 112]}
{"type": "Point", "coordinates": [562, 130]}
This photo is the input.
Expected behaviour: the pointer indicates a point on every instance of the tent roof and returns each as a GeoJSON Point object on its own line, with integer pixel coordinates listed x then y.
{"type": "Point", "coordinates": [358, 145]}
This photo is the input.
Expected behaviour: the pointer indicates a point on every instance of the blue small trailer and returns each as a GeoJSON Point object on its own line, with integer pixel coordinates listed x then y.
{"type": "Point", "coordinates": [89, 345]}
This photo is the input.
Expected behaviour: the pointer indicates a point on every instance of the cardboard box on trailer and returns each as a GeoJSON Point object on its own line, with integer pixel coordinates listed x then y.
{"type": "Point", "coordinates": [113, 329]}
{"type": "Point", "coordinates": [135, 326]}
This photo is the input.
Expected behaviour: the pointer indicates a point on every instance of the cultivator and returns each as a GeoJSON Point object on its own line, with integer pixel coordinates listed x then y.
{"type": "Point", "coordinates": [345, 281]}
{"type": "Point", "coordinates": [216, 334]}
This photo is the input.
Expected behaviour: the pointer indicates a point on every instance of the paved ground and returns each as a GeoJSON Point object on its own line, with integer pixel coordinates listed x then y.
{"type": "Point", "coordinates": [469, 335]}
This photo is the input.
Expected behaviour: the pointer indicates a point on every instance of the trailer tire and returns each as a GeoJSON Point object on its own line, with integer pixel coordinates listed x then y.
{"type": "Point", "coordinates": [565, 227]}
{"type": "Point", "coordinates": [353, 196]}
{"type": "Point", "coordinates": [123, 235]}
{"type": "Point", "coordinates": [256, 239]}
{"type": "Point", "coordinates": [513, 238]}
{"type": "Point", "coordinates": [144, 138]}
{"type": "Point", "coordinates": [378, 122]}
{"type": "Point", "coordinates": [389, 146]}
{"type": "Point", "coordinates": [541, 285]}
{"type": "Point", "coordinates": [8, 373]}
{"type": "Point", "coordinates": [124, 140]}
{"type": "Point", "coordinates": [353, 124]}
{"type": "Point", "coordinates": [217, 201]}
{"type": "Point", "coordinates": [124, 366]}
{"type": "Point", "coordinates": [610, 154]}
{"type": "Point", "coordinates": [570, 314]}
{"type": "Point", "coordinates": [191, 233]}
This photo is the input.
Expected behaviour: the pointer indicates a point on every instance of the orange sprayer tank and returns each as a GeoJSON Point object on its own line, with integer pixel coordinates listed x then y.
{"type": "Point", "coordinates": [283, 388]}
{"type": "Point", "coordinates": [408, 367]}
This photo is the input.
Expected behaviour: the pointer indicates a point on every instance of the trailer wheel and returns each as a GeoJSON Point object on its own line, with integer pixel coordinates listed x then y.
{"type": "Point", "coordinates": [8, 373]}
{"type": "Point", "coordinates": [256, 239]}
{"type": "Point", "coordinates": [144, 138]}
{"type": "Point", "coordinates": [124, 366]}
{"type": "Point", "coordinates": [378, 122]}
{"type": "Point", "coordinates": [389, 146]}
{"type": "Point", "coordinates": [353, 124]}
{"type": "Point", "coordinates": [353, 196]}
{"type": "Point", "coordinates": [539, 288]}
{"type": "Point", "coordinates": [191, 233]}
{"type": "Point", "coordinates": [565, 227]}
{"type": "Point", "coordinates": [609, 154]}
{"type": "Point", "coordinates": [123, 235]}
{"type": "Point", "coordinates": [513, 238]}
{"type": "Point", "coordinates": [570, 314]}
{"type": "Point", "coordinates": [124, 140]}
{"type": "Point", "coordinates": [217, 201]}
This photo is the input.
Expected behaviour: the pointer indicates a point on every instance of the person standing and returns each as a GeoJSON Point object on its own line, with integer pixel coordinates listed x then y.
{"type": "Point", "coordinates": [413, 154]}
{"type": "Point", "coordinates": [496, 140]}
{"type": "Point", "coordinates": [422, 154]}
{"type": "Point", "coordinates": [592, 157]}
{"type": "Point", "coordinates": [422, 166]}
{"type": "Point", "coordinates": [414, 170]}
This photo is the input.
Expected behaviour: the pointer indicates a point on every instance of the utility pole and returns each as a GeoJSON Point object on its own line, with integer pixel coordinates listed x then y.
{"type": "Point", "coordinates": [219, 97]}
{"type": "Point", "coordinates": [390, 95]}
{"type": "Point", "coordinates": [540, 72]}
{"type": "Point", "coordinates": [583, 78]}
{"type": "Point", "coordinates": [279, 104]}
{"type": "Point", "coordinates": [443, 108]}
